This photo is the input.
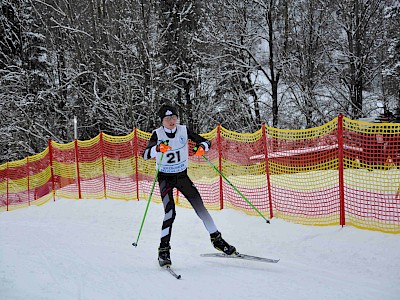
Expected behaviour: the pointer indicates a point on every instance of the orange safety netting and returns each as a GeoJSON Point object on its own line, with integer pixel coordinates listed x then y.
{"type": "Point", "coordinates": [344, 172]}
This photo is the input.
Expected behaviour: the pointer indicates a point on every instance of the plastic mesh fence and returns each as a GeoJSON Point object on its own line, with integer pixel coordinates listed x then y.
{"type": "Point", "coordinates": [371, 175]}
{"type": "Point", "coordinates": [26, 182]}
{"type": "Point", "coordinates": [303, 167]}
{"type": "Point", "coordinates": [344, 172]}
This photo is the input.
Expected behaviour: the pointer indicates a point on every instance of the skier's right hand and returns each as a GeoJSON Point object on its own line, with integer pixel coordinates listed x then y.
{"type": "Point", "coordinates": [163, 147]}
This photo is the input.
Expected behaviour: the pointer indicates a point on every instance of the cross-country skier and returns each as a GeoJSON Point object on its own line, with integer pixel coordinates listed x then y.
{"type": "Point", "coordinates": [172, 140]}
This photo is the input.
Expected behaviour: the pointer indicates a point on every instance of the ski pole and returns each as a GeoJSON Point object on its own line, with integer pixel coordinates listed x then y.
{"type": "Point", "coordinates": [148, 201]}
{"type": "Point", "coordinates": [234, 187]}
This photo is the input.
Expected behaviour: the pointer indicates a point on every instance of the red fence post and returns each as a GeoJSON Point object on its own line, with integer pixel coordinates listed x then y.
{"type": "Point", "coordinates": [136, 152]}
{"type": "Point", "coordinates": [271, 212]}
{"type": "Point", "coordinates": [77, 170]}
{"type": "Point", "coordinates": [221, 192]}
{"type": "Point", "coordinates": [51, 170]}
{"type": "Point", "coordinates": [341, 170]}
{"type": "Point", "coordinates": [27, 175]}
{"type": "Point", "coordinates": [103, 164]}
{"type": "Point", "coordinates": [8, 192]}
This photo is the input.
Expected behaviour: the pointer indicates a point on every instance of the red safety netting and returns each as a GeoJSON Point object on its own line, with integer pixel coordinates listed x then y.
{"type": "Point", "coordinates": [344, 172]}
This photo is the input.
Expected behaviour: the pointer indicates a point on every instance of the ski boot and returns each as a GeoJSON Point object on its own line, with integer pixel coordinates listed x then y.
{"type": "Point", "coordinates": [220, 244]}
{"type": "Point", "coordinates": [164, 258]}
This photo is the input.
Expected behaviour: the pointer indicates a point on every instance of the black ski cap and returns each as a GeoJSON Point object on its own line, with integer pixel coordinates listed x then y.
{"type": "Point", "coordinates": [167, 110]}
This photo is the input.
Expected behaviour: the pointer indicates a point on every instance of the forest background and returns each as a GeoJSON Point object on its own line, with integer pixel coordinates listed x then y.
{"type": "Point", "coordinates": [288, 63]}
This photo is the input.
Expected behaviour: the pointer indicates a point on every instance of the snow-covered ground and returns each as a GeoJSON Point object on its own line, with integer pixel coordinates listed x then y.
{"type": "Point", "coordinates": [82, 249]}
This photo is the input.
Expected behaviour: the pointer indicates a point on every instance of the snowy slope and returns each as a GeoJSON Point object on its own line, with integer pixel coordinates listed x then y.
{"type": "Point", "coordinates": [72, 249]}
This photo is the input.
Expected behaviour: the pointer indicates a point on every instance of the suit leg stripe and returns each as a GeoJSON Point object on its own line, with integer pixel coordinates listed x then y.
{"type": "Point", "coordinates": [168, 215]}
{"type": "Point", "coordinates": [164, 232]}
{"type": "Point", "coordinates": [166, 191]}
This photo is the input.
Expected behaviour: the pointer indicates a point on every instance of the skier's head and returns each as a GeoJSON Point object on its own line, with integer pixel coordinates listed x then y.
{"type": "Point", "coordinates": [168, 116]}
{"type": "Point", "coordinates": [167, 110]}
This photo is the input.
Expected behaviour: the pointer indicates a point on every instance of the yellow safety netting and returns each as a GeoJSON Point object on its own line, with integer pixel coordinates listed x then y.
{"type": "Point", "coordinates": [344, 172]}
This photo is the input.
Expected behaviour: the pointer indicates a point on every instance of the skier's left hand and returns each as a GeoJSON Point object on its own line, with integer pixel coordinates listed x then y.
{"type": "Point", "coordinates": [199, 150]}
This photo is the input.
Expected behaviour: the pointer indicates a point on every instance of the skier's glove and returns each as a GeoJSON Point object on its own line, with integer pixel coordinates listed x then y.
{"type": "Point", "coordinates": [163, 147]}
{"type": "Point", "coordinates": [198, 150]}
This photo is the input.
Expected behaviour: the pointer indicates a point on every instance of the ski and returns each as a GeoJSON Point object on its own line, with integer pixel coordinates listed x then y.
{"type": "Point", "coordinates": [238, 255]}
{"type": "Point", "coordinates": [170, 271]}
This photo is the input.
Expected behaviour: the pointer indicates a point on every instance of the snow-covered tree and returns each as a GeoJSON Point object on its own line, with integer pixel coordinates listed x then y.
{"type": "Point", "coordinates": [358, 42]}
{"type": "Point", "coordinates": [391, 57]}
{"type": "Point", "coordinates": [292, 64]}
{"type": "Point", "coordinates": [24, 93]}
{"type": "Point", "coordinates": [305, 66]}
{"type": "Point", "coordinates": [180, 29]}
